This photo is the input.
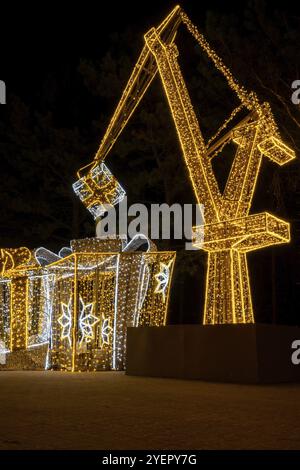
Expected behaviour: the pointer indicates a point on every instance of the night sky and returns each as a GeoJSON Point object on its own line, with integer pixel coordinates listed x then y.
{"type": "Point", "coordinates": [38, 39]}
{"type": "Point", "coordinates": [42, 47]}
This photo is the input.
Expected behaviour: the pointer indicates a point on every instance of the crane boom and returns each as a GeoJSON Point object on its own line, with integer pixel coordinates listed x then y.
{"type": "Point", "coordinates": [138, 83]}
{"type": "Point", "coordinates": [228, 232]}
{"type": "Point", "coordinates": [186, 123]}
{"type": "Point", "coordinates": [98, 188]}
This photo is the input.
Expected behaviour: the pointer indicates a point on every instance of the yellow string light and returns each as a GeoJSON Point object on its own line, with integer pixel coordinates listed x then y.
{"type": "Point", "coordinates": [132, 289]}
{"type": "Point", "coordinates": [112, 293]}
{"type": "Point", "coordinates": [229, 232]}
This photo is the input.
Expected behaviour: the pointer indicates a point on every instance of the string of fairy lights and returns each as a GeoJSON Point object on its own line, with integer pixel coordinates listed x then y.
{"type": "Point", "coordinates": [81, 301]}
{"type": "Point", "coordinates": [228, 296]}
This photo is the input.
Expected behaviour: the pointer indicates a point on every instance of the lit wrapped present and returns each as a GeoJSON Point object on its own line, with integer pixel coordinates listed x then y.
{"type": "Point", "coordinates": [99, 189]}
{"type": "Point", "coordinates": [98, 292]}
{"type": "Point", "coordinates": [70, 311]}
{"type": "Point", "coordinates": [24, 313]}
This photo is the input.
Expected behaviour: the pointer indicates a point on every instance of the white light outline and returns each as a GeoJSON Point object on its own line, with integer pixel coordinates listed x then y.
{"type": "Point", "coordinates": [162, 284]}
{"type": "Point", "coordinates": [85, 325]}
{"type": "Point", "coordinates": [69, 323]}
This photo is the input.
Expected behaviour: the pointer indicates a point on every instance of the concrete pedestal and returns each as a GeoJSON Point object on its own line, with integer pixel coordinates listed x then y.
{"type": "Point", "coordinates": [251, 353]}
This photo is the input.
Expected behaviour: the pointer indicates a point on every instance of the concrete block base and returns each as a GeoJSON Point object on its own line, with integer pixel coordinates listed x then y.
{"type": "Point", "coordinates": [251, 353]}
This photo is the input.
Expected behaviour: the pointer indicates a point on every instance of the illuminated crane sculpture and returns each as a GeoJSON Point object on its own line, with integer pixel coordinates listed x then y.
{"type": "Point", "coordinates": [229, 231]}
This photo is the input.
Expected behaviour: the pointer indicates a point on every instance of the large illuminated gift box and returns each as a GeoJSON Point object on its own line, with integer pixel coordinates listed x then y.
{"type": "Point", "coordinates": [82, 303]}
{"type": "Point", "coordinates": [24, 314]}
{"type": "Point", "coordinates": [99, 290]}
